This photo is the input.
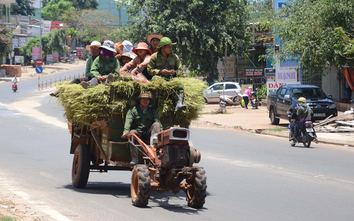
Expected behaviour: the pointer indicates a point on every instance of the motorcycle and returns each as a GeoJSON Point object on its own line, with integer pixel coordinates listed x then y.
{"type": "Point", "coordinates": [254, 100]}
{"type": "Point", "coordinates": [14, 87]}
{"type": "Point", "coordinates": [229, 100]}
{"type": "Point", "coordinates": [305, 135]}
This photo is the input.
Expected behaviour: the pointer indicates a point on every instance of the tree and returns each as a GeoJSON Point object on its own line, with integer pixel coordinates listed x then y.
{"type": "Point", "coordinates": [22, 7]}
{"type": "Point", "coordinates": [55, 9]}
{"type": "Point", "coordinates": [307, 31]}
{"type": "Point", "coordinates": [202, 29]}
{"type": "Point", "coordinates": [5, 41]}
{"type": "Point", "coordinates": [79, 4]}
{"type": "Point", "coordinates": [53, 41]}
{"type": "Point", "coordinates": [91, 24]}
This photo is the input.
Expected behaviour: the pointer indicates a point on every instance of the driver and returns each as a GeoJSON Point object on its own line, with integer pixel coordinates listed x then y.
{"type": "Point", "coordinates": [15, 80]}
{"type": "Point", "coordinates": [301, 114]}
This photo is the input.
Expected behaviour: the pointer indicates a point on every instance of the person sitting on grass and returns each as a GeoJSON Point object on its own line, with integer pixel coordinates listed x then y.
{"type": "Point", "coordinates": [105, 67]}
{"type": "Point", "coordinates": [140, 62]}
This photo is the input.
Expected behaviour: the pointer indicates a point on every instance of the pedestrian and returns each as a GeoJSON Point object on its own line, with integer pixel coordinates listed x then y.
{"type": "Point", "coordinates": [154, 41]}
{"type": "Point", "coordinates": [246, 95]}
{"type": "Point", "coordinates": [143, 121]}
{"type": "Point", "coordinates": [167, 65]}
{"type": "Point", "coordinates": [140, 62]}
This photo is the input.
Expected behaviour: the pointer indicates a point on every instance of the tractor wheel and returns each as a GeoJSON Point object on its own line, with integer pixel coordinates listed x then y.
{"type": "Point", "coordinates": [273, 119]}
{"type": "Point", "coordinates": [140, 186]}
{"type": "Point", "coordinates": [196, 195]}
{"type": "Point", "coordinates": [81, 166]}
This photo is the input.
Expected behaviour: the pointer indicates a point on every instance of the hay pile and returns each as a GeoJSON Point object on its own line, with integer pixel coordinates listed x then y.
{"type": "Point", "coordinates": [102, 102]}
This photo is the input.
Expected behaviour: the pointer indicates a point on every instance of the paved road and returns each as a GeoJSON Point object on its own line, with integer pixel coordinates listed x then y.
{"type": "Point", "coordinates": [250, 177]}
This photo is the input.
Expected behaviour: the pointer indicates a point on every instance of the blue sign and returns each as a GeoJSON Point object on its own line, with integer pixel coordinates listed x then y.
{"type": "Point", "coordinates": [39, 69]}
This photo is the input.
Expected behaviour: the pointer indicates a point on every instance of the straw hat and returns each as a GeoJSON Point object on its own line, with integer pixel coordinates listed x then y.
{"type": "Point", "coordinates": [126, 54]}
{"type": "Point", "coordinates": [93, 44]}
{"type": "Point", "coordinates": [142, 46]}
{"type": "Point", "coordinates": [151, 36]}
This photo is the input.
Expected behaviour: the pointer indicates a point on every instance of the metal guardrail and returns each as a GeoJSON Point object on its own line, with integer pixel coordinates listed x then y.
{"type": "Point", "coordinates": [49, 83]}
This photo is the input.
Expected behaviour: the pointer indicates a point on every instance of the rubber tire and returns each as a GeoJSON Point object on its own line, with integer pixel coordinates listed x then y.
{"type": "Point", "coordinates": [196, 195]}
{"type": "Point", "coordinates": [140, 186]}
{"type": "Point", "coordinates": [81, 166]}
{"type": "Point", "coordinates": [222, 104]}
{"type": "Point", "coordinates": [293, 141]}
{"type": "Point", "coordinates": [237, 99]}
{"type": "Point", "coordinates": [308, 138]}
{"type": "Point", "coordinates": [273, 119]}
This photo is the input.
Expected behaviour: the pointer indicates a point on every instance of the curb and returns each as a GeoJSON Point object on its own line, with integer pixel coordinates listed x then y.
{"type": "Point", "coordinates": [259, 131]}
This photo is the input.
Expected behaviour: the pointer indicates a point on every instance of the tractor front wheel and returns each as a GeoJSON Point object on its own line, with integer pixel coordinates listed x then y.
{"type": "Point", "coordinates": [196, 195]}
{"type": "Point", "coordinates": [140, 186]}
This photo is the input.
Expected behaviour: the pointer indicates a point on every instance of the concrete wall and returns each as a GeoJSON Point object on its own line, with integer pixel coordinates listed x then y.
{"type": "Point", "coordinates": [330, 84]}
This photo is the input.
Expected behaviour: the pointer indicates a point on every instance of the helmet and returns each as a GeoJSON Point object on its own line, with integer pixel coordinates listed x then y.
{"type": "Point", "coordinates": [302, 99]}
{"type": "Point", "coordinates": [145, 94]}
{"type": "Point", "coordinates": [250, 87]}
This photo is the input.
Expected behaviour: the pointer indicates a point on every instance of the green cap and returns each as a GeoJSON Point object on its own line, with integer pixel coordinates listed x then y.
{"type": "Point", "coordinates": [166, 41]}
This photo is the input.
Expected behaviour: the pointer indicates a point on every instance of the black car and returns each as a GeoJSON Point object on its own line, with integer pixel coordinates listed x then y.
{"type": "Point", "coordinates": [285, 99]}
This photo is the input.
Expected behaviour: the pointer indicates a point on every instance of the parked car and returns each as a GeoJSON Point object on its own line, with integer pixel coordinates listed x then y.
{"type": "Point", "coordinates": [212, 94]}
{"type": "Point", "coordinates": [285, 99]}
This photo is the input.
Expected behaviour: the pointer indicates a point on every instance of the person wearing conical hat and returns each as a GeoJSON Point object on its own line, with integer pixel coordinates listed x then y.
{"type": "Point", "coordinates": [140, 62]}
{"type": "Point", "coordinates": [167, 65]}
{"type": "Point", "coordinates": [154, 41]}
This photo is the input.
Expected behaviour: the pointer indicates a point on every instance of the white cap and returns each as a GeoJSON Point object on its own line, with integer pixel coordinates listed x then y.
{"type": "Point", "coordinates": [128, 47]}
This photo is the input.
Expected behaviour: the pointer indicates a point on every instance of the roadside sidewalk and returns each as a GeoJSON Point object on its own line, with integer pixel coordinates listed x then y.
{"type": "Point", "coordinates": [257, 121]}
{"type": "Point", "coordinates": [30, 72]}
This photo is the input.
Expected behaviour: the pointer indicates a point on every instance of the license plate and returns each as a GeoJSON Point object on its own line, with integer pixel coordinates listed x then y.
{"type": "Point", "coordinates": [309, 129]}
{"type": "Point", "coordinates": [319, 114]}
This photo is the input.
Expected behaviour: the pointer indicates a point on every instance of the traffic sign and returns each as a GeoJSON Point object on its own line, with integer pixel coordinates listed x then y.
{"type": "Point", "coordinates": [39, 69]}
{"type": "Point", "coordinates": [39, 62]}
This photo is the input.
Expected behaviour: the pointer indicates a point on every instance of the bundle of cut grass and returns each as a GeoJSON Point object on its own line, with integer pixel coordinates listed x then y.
{"type": "Point", "coordinates": [102, 102]}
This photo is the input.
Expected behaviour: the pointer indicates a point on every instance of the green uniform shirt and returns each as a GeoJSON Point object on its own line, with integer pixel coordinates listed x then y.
{"type": "Point", "coordinates": [301, 112]}
{"type": "Point", "coordinates": [102, 66]}
{"type": "Point", "coordinates": [89, 62]}
{"type": "Point", "coordinates": [137, 120]}
{"type": "Point", "coordinates": [157, 63]}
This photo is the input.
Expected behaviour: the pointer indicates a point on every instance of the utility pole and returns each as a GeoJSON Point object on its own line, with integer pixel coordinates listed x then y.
{"type": "Point", "coordinates": [40, 26]}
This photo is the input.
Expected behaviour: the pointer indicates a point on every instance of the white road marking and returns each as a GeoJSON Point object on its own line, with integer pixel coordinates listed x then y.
{"type": "Point", "coordinates": [55, 215]}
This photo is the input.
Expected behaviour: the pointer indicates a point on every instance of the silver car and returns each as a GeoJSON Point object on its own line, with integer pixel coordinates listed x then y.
{"type": "Point", "coordinates": [211, 95]}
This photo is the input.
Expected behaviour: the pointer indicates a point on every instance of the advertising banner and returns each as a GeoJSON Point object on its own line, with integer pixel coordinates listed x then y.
{"type": "Point", "coordinates": [57, 25]}
{"type": "Point", "coordinates": [253, 72]}
{"type": "Point", "coordinates": [22, 41]}
{"type": "Point", "coordinates": [46, 27]}
{"type": "Point", "coordinates": [19, 59]}
{"type": "Point", "coordinates": [79, 51]}
{"type": "Point", "coordinates": [227, 68]}
{"type": "Point", "coordinates": [282, 76]}
{"type": "Point", "coordinates": [33, 31]}
{"type": "Point", "coordinates": [55, 57]}
{"type": "Point", "coordinates": [50, 58]}
{"type": "Point", "coordinates": [15, 43]}
{"type": "Point", "coordinates": [36, 53]}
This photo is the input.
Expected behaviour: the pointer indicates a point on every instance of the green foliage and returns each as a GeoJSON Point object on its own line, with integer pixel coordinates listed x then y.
{"type": "Point", "coordinates": [53, 41]}
{"type": "Point", "coordinates": [202, 29]}
{"type": "Point", "coordinates": [55, 9]}
{"type": "Point", "coordinates": [5, 40]}
{"type": "Point", "coordinates": [88, 105]}
{"type": "Point", "coordinates": [22, 7]}
{"type": "Point", "coordinates": [79, 4]}
{"type": "Point", "coordinates": [307, 30]}
{"type": "Point", "coordinates": [262, 92]}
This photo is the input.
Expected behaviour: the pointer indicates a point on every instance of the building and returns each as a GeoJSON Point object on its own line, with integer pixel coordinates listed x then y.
{"type": "Point", "coordinates": [5, 17]}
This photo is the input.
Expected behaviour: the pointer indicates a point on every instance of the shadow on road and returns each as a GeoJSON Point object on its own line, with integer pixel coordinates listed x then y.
{"type": "Point", "coordinates": [122, 190]}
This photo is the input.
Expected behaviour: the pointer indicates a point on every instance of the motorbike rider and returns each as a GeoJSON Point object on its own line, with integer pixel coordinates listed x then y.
{"type": "Point", "coordinates": [301, 114]}
{"type": "Point", "coordinates": [15, 79]}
